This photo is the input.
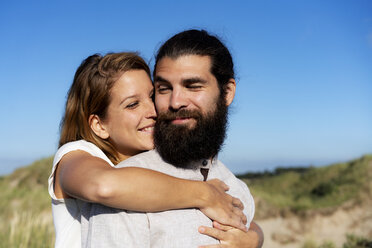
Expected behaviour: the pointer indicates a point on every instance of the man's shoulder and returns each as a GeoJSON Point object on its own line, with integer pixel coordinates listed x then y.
{"type": "Point", "coordinates": [142, 159]}
{"type": "Point", "coordinates": [238, 188]}
{"type": "Point", "coordinates": [152, 154]}
{"type": "Point", "coordinates": [222, 169]}
{"type": "Point", "coordinates": [152, 160]}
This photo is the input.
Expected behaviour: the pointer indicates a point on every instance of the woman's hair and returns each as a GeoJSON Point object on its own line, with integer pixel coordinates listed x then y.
{"type": "Point", "coordinates": [90, 95]}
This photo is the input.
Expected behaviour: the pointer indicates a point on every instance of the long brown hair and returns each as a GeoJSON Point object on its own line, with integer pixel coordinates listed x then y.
{"type": "Point", "coordinates": [90, 94]}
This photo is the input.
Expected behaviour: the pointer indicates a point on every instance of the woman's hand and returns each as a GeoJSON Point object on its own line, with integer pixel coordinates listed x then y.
{"type": "Point", "coordinates": [222, 207]}
{"type": "Point", "coordinates": [232, 237]}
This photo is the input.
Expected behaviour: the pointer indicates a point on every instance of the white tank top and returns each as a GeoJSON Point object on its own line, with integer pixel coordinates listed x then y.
{"type": "Point", "coordinates": [66, 212]}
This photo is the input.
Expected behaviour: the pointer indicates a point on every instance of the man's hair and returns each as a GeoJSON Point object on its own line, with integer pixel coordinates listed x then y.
{"type": "Point", "coordinates": [200, 42]}
{"type": "Point", "coordinates": [90, 94]}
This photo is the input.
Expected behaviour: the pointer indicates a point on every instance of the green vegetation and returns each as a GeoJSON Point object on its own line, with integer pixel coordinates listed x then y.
{"type": "Point", "coordinates": [311, 188]}
{"type": "Point", "coordinates": [312, 244]}
{"type": "Point", "coordinates": [352, 241]}
{"type": "Point", "coordinates": [25, 211]}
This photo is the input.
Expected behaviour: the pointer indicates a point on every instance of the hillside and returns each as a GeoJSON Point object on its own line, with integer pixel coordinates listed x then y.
{"type": "Point", "coordinates": [291, 204]}
{"type": "Point", "coordinates": [323, 188]}
{"type": "Point", "coordinates": [315, 207]}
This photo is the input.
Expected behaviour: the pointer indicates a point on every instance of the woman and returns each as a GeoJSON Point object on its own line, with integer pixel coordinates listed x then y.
{"type": "Point", "coordinates": [109, 117]}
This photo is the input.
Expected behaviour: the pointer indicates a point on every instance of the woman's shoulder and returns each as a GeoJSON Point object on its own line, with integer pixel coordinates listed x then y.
{"type": "Point", "coordinates": [77, 144]}
{"type": "Point", "coordinates": [81, 145]}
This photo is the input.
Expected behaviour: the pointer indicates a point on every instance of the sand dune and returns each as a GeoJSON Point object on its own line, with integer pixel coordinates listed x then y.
{"type": "Point", "coordinates": [294, 231]}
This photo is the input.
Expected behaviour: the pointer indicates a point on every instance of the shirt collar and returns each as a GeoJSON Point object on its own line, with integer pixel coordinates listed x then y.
{"type": "Point", "coordinates": [207, 163]}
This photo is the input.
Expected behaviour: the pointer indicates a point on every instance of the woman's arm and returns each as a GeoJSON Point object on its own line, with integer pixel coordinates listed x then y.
{"type": "Point", "coordinates": [89, 178]}
{"type": "Point", "coordinates": [231, 237]}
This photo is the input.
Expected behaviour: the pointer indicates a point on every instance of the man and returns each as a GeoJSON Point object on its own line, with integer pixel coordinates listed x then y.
{"type": "Point", "coordinates": [194, 85]}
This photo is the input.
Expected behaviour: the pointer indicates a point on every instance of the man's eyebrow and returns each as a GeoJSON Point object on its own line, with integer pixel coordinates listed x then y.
{"type": "Point", "coordinates": [159, 79]}
{"type": "Point", "coordinates": [194, 80]}
{"type": "Point", "coordinates": [190, 80]}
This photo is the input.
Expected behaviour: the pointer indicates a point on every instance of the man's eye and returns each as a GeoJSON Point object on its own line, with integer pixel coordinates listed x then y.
{"type": "Point", "coordinates": [194, 86]}
{"type": "Point", "coordinates": [162, 89]}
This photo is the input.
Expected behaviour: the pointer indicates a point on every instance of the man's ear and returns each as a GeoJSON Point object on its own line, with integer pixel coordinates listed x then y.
{"type": "Point", "coordinates": [98, 127]}
{"type": "Point", "coordinates": [230, 88]}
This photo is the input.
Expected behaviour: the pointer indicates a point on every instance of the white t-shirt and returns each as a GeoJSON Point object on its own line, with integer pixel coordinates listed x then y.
{"type": "Point", "coordinates": [66, 212]}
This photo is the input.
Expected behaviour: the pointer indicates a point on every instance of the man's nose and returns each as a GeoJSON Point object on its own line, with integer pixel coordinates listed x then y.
{"type": "Point", "coordinates": [178, 100]}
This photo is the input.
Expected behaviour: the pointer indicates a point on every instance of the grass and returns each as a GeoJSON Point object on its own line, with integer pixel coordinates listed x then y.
{"type": "Point", "coordinates": [25, 208]}
{"type": "Point", "coordinates": [312, 244]}
{"type": "Point", "coordinates": [352, 241]}
{"type": "Point", "coordinates": [28, 230]}
{"type": "Point", "coordinates": [312, 188]}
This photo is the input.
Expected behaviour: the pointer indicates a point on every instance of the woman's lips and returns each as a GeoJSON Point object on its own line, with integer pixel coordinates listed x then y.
{"type": "Point", "coordinates": [147, 129]}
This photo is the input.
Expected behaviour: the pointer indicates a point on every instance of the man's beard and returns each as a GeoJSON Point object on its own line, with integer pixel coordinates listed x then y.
{"type": "Point", "coordinates": [181, 145]}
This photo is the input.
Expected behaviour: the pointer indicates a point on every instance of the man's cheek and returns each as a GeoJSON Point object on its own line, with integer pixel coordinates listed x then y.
{"type": "Point", "coordinates": [159, 106]}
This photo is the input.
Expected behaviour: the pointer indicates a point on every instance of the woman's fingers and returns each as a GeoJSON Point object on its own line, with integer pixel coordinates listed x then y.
{"type": "Point", "coordinates": [241, 215]}
{"type": "Point", "coordinates": [236, 213]}
{"type": "Point", "coordinates": [238, 221]}
{"type": "Point", "coordinates": [224, 186]}
{"type": "Point", "coordinates": [224, 208]}
{"type": "Point", "coordinates": [212, 246]}
{"type": "Point", "coordinates": [238, 218]}
{"type": "Point", "coordinates": [229, 236]}
{"type": "Point", "coordinates": [237, 203]}
{"type": "Point", "coordinates": [221, 226]}
{"type": "Point", "coordinates": [212, 232]}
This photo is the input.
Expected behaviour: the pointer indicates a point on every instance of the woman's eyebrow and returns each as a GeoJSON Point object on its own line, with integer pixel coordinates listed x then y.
{"type": "Point", "coordinates": [128, 97]}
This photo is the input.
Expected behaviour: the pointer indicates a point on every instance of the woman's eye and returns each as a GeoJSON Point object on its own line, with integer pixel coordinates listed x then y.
{"type": "Point", "coordinates": [132, 105]}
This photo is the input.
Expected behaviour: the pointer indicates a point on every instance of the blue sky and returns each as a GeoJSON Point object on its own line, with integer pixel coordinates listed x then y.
{"type": "Point", "coordinates": [304, 71]}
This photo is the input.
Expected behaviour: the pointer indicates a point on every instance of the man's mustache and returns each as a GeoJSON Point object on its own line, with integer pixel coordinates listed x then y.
{"type": "Point", "coordinates": [183, 113]}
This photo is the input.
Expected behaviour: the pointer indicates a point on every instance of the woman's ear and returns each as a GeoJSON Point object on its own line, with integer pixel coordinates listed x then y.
{"type": "Point", "coordinates": [230, 88]}
{"type": "Point", "coordinates": [98, 127]}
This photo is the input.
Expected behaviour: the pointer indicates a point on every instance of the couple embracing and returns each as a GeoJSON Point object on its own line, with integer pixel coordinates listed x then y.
{"type": "Point", "coordinates": [111, 188]}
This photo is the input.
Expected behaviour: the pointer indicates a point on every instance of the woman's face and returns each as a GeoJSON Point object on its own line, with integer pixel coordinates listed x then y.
{"type": "Point", "coordinates": [131, 114]}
